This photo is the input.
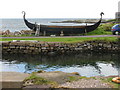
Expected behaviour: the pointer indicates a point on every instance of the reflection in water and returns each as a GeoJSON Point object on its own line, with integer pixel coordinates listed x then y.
{"type": "Point", "coordinates": [87, 64]}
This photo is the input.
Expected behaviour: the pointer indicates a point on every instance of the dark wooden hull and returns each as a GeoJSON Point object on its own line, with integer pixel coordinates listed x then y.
{"type": "Point", "coordinates": [65, 29]}
{"type": "Point", "coordinates": [68, 29]}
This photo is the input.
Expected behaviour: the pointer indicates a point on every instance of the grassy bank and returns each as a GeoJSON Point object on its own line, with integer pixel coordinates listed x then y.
{"type": "Point", "coordinates": [103, 29]}
{"type": "Point", "coordinates": [36, 80]}
{"type": "Point", "coordinates": [58, 79]}
{"type": "Point", "coordinates": [65, 40]}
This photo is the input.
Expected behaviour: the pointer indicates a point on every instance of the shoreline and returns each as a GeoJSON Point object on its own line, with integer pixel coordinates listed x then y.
{"type": "Point", "coordinates": [42, 71]}
{"type": "Point", "coordinates": [56, 79]}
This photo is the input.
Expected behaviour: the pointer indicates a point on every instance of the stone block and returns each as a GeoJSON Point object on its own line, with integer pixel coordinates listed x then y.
{"type": "Point", "coordinates": [12, 79]}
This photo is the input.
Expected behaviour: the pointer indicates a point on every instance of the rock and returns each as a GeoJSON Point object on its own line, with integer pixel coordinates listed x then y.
{"type": "Point", "coordinates": [29, 82]}
{"type": "Point", "coordinates": [41, 71]}
{"type": "Point", "coordinates": [57, 76]}
{"type": "Point", "coordinates": [17, 33]}
{"type": "Point", "coordinates": [27, 32]}
{"type": "Point", "coordinates": [76, 73]}
{"type": "Point", "coordinates": [7, 32]}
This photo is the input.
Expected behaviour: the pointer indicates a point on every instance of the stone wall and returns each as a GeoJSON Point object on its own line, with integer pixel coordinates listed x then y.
{"type": "Point", "coordinates": [37, 47]}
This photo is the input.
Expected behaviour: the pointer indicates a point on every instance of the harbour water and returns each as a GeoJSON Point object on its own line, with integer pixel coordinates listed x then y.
{"type": "Point", "coordinates": [86, 64]}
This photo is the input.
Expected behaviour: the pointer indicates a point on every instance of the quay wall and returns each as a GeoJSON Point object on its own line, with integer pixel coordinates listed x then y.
{"type": "Point", "coordinates": [38, 47]}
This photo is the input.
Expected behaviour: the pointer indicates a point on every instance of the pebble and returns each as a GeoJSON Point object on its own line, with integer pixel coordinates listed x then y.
{"type": "Point", "coordinates": [86, 83]}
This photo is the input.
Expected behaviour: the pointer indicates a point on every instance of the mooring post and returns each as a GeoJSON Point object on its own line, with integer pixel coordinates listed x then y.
{"type": "Point", "coordinates": [61, 34]}
{"type": "Point", "coordinates": [44, 33]}
{"type": "Point", "coordinates": [34, 28]}
{"type": "Point", "coordinates": [37, 30]}
{"type": "Point", "coordinates": [36, 33]}
{"type": "Point", "coordinates": [86, 29]}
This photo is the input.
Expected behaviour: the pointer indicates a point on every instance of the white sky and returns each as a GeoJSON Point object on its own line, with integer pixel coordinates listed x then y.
{"type": "Point", "coordinates": [58, 8]}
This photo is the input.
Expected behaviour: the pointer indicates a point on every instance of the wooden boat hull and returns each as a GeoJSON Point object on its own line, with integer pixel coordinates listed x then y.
{"type": "Point", "coordinates": [64, 29]}
{"type": "Point", "coordinates": [57, 30]}
{"type": "Point", "coordinates": [68, 29]}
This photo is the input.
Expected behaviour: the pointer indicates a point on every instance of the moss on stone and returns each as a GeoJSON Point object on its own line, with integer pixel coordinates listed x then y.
{"type": "Point", "coordinates": [75, 78]}
{"type": "Point", "coordinates": [34, 79]}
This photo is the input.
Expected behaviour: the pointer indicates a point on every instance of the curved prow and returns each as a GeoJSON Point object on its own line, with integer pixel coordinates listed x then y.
{"type": "Point", "coordinates": [101, 14]}
{"type": "Point", "coordinates": [23, 12]}
{"type": "Point", "coordinates": [93, 27]}
{"type": "Point", "coordinates": [29, 25]}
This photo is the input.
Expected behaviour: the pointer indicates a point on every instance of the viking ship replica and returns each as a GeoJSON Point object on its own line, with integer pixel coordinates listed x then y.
{"type": "Point", "coordinates": [61, 30]}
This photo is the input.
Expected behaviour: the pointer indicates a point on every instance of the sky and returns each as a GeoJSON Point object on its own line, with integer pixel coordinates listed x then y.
{"type": "Point", "coordinates": [58, 8]}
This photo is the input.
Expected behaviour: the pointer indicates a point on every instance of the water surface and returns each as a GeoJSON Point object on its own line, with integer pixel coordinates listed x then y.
{"type": "Point", "coordinates": [87, 64]}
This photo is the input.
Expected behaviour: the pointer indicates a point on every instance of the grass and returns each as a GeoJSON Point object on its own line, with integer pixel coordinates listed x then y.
{"type": "Point", "coordinates": [109, 81]}
{"type": "Point", "coordinates": [72, 78]}
{"type": "Point", "coordinates": [65, 40]}
{"type": "Point", "coordinates": [75, 78]}
{"type": "Point", "coordinates": [111, 20]}
{"type": "Point", "coordinates": [103, 29]}
{"type": "Point", "coordinates": [39, 80]}
{"type": "Point", "coordinates": [104, 80]}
